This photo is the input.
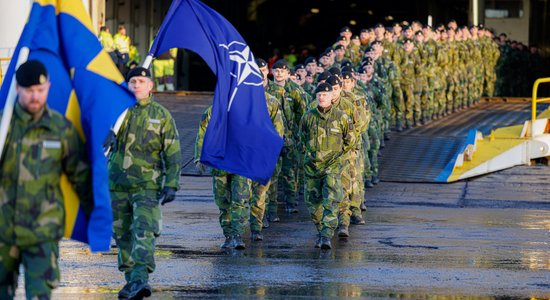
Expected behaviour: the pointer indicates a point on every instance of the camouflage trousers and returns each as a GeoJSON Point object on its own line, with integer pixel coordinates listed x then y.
{"type": "Point", "coordinates": [411, 106]}
{"type": "Point", "coordinates": [258, 204]}
{"type": "Point", "coordinates": [397, 104]}
{"type": "Point", "coordinates": [428, 105]}
{"type": "Point", "coordinates": [353, 187]}
{"type": "Point", "coordinates": [373, 150]}
{"type": "Point", "coordinates": [273, 191]}
{"type": "Point", "coordinates": [232, 194]}
{"type": "Point", "coordinates": [40, 265]}
{"type": "Point", "coordinates": [367, 172]}
{"type": "Point", "coordinates": [289, 175]}
{"type": "Point", "coordinates": [137, 222]}
{"type": "Point", "coordinates": [321, 197]}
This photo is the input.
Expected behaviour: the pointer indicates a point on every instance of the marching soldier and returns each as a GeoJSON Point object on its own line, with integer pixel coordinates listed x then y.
{"type": "Point", "coordinates": [41, 145]}
{"type": "Point", "coordinates": [326, 133]}
{"type": "Point", "coordinates": [144, 172]}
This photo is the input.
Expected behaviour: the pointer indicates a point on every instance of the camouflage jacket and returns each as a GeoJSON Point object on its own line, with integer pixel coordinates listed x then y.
{"type": "Point", "coordinates": [147, 151]}
{"type": "Point", "coordinates": [205, 119]}
{"type": "Point", "coordinates": [35, 156]}
{"type": "Point", "coordinates": [325, 138]}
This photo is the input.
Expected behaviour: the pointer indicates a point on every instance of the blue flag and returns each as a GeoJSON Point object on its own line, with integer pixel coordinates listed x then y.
{"type": "Point", "coordinates": [88, 89]}
{"type": "Point", "coordinates": [240, 137]}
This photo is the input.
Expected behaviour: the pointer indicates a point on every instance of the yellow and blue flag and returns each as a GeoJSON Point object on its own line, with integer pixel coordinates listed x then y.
{"type": "Point", "coordinates": [88, 89]}
{"type": "Point", "coordinates": [240, 137]}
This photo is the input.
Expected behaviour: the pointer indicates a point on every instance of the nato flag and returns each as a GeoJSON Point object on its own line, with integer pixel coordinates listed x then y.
{"type": "Point", "coordinates": [240, 137]}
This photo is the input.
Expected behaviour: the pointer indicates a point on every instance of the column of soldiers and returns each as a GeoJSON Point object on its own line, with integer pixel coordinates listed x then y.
{"type": "Point", "coordinates": [336, 112]}
{"type": "Point", "coordinates": [518, 68]}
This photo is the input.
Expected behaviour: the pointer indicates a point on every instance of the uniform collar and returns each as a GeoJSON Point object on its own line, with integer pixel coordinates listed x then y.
{"type": "Point", "coordinates": [145, 101]}
{"type": "Point", "coordinates": [43, 119]}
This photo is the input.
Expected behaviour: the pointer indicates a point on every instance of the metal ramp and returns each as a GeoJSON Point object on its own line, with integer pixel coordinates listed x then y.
{"type": "Point", "coordinates": [429, 153]}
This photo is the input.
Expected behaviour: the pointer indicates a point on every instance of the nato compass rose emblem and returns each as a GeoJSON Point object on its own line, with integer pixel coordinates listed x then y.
{"type": "Point", "coordinates": [246, 67]}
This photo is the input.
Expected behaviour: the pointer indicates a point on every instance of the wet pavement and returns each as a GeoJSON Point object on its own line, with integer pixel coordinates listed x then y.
{"type": "Point", "coordinates": [485, 238]}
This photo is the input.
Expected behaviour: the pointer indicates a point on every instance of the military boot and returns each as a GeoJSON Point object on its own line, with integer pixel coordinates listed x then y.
{"type": "Point", "coordinates": [228, 243]}
{"type": "Point", "coordinates": [375, 180]}
{"type": "Point", "coordinates": [318, 242]}
{"type": "Point", "coordinates": [125, 291]}
{"type": "Point", "coordinates": [368, 183]}
{"type": "Point", "coordinates": [256, 236]}
{"type": "Point", "coordinates": [343, 231]}
{"type": "Point", "coordinates": [273, 217]}
{"type": "Point", "coordinates": [291, 208]}
{"type": "Point", "coordinates": [265, 222]}
{"type": "Point", "coordinates": [357, 220]}
{"type": "Point", "coordinates": [238, 242]}
{"type": "Point", "coordinates": [140, 290]}
{"type": "Point", "coordinates": [325, 243]}
{"type": "Point", "coordinates": [363, 206]}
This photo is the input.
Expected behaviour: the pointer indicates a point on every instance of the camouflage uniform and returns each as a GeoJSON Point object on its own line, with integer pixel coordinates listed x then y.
{"type": "Point", "coordinates": [294, 104]}
{"type": "Point", "coordinates": [145, 158]}
{"type": "Point", "coordinates": [374, 102]}
{"type": "Point", "coordinates": [430, 56]}
{"type": "Point", "coordinates": [408, 68]}
{"type": "Point", "coordinates": [259, 192]}
{"type": "Point", "coordinates": [325, 137]}
{"type": "Point", "coordinates": [232, 193]}
{"type": "Point", "coordinates": [272, 193]}
{"type": "Point", "coordinates": [31, 204]}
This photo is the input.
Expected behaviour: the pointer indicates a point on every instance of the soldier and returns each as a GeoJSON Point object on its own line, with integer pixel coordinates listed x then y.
{"type": "Point", "coordinates": [294, 104]}
{"type": "Point", "coordinates": [144, 171]}
{"type": "Point", "coordinates": [41, 145]}
{"type": "Point", "coordinates": [326, 133]}
{"type": "Point", "coordinates": [259, 191]}
{"type": "Point", "coordinates": [408, 64]}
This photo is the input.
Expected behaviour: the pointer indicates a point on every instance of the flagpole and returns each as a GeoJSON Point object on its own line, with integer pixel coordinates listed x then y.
{"type": "Point", "coordinates": [10, 101]}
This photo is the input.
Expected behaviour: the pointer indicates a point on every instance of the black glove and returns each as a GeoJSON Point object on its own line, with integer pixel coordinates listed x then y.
{"type": "Point", "coordinates": [109, 144]}
{"type": "Point", "coordinates": [167, 194]}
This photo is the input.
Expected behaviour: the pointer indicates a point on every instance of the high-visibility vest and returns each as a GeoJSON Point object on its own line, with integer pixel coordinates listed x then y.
{"type": "Point", "coordinates": [106, 40]}
{"type": "Point", "coordinates": [122, 43]}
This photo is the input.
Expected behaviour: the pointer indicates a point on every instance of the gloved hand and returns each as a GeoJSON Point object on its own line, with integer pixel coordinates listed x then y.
{"type": "Point", "coordinates": [109, 144]}
{"type": "Point", "coordinates": [200, 167]}
{"type": "Point", "coordinates": [167, 194]}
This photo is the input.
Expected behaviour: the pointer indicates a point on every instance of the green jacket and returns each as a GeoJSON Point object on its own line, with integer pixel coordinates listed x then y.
{"type": "Point", "coordinates": [35, 156]}
{"type": "Point", "coordinates": [325, 138]}
{"type": "Point", "coordinates": [147, 151]}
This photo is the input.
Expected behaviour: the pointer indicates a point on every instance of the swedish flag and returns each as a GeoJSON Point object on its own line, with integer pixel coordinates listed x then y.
{"type": "Point", "coordinates": [88, 89]}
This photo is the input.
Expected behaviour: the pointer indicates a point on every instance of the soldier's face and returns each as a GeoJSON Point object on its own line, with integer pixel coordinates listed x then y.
{"type": "Point", "coordinates": [370, 70]}
{"type": "Point", "coordinates": [279, 75]}
{"type": "Point", "coordinates": [265, 71]}
{"type": "Point", "coordinates": [141, 86]}
{"type": "Point", "coordinates": [336, 89]}
{"type": "Point", "coordinates": [309, 79]}
{"type": "Point", "coordinates": [340, 53]}
{"type": "Point", "coordinates": [312, 68]}
{"type": "Point", "coordinates": [348, 84]}
{"type": "Point", "coordinates": [319, 69]}
{"type": "Point", "coordinates": [325, 60]}
{"type": "Point", "coordinates": [324, 99]}
{"type": "Point", "coordinates": [356, 42]}
{"type": "Point", "coordinates": [363, 77]}
{"type": "Point", "coordinates": [33, 98]}
{"type": "Point", "coordinates": [301, 72]}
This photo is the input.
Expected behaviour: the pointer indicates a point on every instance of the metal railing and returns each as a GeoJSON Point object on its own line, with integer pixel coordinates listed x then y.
{"type": "Point", "coordinates": [536, 100]}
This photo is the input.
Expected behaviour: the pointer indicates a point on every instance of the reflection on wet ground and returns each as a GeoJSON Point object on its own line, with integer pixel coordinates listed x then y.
{"type": "Point", "coordinates": [406, 252]}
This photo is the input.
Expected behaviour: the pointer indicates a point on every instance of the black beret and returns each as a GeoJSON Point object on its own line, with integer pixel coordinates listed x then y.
{"type": "Point", "coordinates": [298, 67]}
{"type": "Point", "coordinates": [345, 29]}
{"type": "Point", "coordinates": [335, 71]}
{"type": "Point", "coordinates": [340, 38]}
{"type": "Point", "coordinates": [419, 33]}
{"type": "Point", "coordinates": [323, 87]}
{"type": "Point", "coordinates": [347, 75]}
{"type": "Point", "coordinates": [334, 80]}
{"type": "Point", "coordinates": [379, 25]}
{"type": "Point", "coordinates": [308, 73]}
{"type": "Point", "coordinates": [31, 72]}
{"type": "Point", "coordinates": [319, 64]}
{"type": "Point", "coordinates": [347, 69]}
{"type": "Point", "coordinates": [339, 47]}
{"type": "Point", "coordinates": [310, 60]}
{"type": "Point", "coordinates": [261, 63]}
{"type": "Point", "coordinates": [346, 63]}
{"type": "Point", "coordinates": [324, 76]}
{"type": "Point", "coordinates": [280, 64]}
{"type": "Point", "coordinates": [324, 54]}
{"type": "Point", "coordinates": [355, 37]}
{"type": "Point", "coordinates": [362, 70]}
{"type": "Point", "coordinates": [368, 62]}
{"type": "Point", "coordinates": [138, 71]}
{"type": "Point", "coordinates": [329, 50]}
{"type": "Point", "coordinates": [407, 41]}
